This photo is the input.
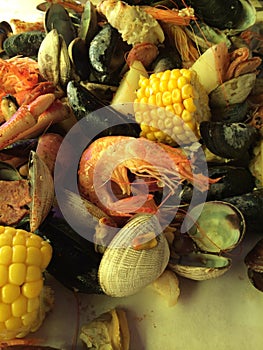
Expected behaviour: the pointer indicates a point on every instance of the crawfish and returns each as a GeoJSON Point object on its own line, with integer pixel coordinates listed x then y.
{"type": "Point", "coordinates": [109, 161]}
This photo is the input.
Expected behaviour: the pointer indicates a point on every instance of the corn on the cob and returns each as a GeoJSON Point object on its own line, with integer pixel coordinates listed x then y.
{"type": "Point", "coordinates": [23, 258]}
{"type": "Point", "coordinates": [170, 105]}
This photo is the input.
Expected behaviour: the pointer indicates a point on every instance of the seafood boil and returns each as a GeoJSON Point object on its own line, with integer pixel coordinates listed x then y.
{"type": "Point", "coordinates": [131, 156]}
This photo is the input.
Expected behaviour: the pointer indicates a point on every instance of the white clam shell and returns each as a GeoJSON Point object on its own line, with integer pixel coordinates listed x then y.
{"type": "Point", "coordinates": [200, 266]}
{"type": "Point", "coordinates": [123, 270]}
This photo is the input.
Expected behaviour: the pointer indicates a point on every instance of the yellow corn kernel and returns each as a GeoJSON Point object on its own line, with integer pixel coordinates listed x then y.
{"type": "Point", "coordinates": [178, 108]}
{"type": "Point", "coordinates": [6, 255]}
{"type": "Point", "coordinates": [32, 289]}
{"type": "Point", "coordinates": [189, 105]}
{"type": "Point", "coordinates": [163, 85]}
{"type": "Point", "coordinates": [140, 93]}
{"type": "Point", "coordinates": [10, 230]}
{"type": "Point", "coordinates": [176, 95]}
{"type": "Point", "coordinates": [33, 256]}
{"type": "Point", "coordinates": [34, 241]}
{"type": "Point", "coordinates": [145, 127]}
{"type": "Point", "coordinates": [169, 109]}
{"type": "Point", "coordinates": [181, 82]}
{"type": "Point", "coordinates": [9, 293]}
{"type": "Point", "coordinates": [152, 100]}
{"type": "Point", "coordinates": [19, 239]}
{"type": "Point", "coordinates": [186, 116]}
{"type": "Point", "coordinates": [187, 91]}
{"type": "Point", "coordinates": [46, 253]}
{"type": "Point", "coordinates": [167, 98]}
{"type": "Point", "coordinates": [5, 312]}
{"type": "Point", "coordinates": [172, 84]}
{"type": "Point", "coordinates": [187, 73]}
{"type": "Point", "coordinates": [13, 323]}
{"type": "Point", "coordinates": [33, 304]}
{"type": "Point", "coordinates": [165, 75]}
{"type": "Point", "coordinates": [2, 229]}
{"type": "Point", "coordinates": [150, 136]}
{"type": "Point", "coordinates": [155, 82]}
{"type": "Point", "coordinates": [6, 240]}
{"type": "Point", "coordinates": [3, 275]}
{"type": "Point", "coordinates": [175, 74]}
{"type": "Point", "coordinates": [19, 306]}
{"type": "Point", "coordinates": [17, 273]}
{"type": "Point", "coordinates": [143, 81]}
{"type": "Point", "coordinates": [159, 99]}
{"type": "Point", "coordinates": [19, 253]}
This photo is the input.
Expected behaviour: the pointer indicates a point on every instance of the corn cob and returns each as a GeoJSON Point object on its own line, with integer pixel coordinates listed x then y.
{"type": "Point", "coordinates": [23, 259]}
{"type": "Point", "coordinates": [170, 105]}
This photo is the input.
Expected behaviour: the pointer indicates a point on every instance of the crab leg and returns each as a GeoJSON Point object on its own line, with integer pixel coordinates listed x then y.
{"type": "Point", "coordinates": [31, 119]}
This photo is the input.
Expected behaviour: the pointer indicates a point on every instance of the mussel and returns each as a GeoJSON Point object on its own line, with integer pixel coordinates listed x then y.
{"type": "Point", "coordinates": [254, 263]}
{"type": "Point", "coordinates": [101, 119]}
{"type": "Point", "coordinates": [57, 17]}
{"type": "Point", "coordinates": [228, 140]}
{"type": "Point", "coordinates": [26, 44]}
{"type": "Point", "coordinates": [236, 15]}
{"type": "Point", "coordinates": [233, 181]}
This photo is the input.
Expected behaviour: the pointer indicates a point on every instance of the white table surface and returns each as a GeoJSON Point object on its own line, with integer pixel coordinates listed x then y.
{"type": "Point", "coordinates": [221, 314]}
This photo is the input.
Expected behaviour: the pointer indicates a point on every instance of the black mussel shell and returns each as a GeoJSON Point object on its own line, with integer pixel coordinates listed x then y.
{"type": "Point", "coordinates": [57, 17]}
{"type": "Point", "coordinates": [254, 258]}
{"type": "Point", "coordinates": [103, 47]}
{"type": "Point", "coordinates": [102, 120]}
{"type": "Point", "coordinates": [218, 13]}
{"type": "Point", "coordinates": [234, 113]}
{"type": "Point", "coordinates": [228, 140]}
{"type": "Point", "coordinates": [78, 53]}
{"type": "Point", "coordinates": [233, 181]}
{"type": "Point", "coordinates": [25, 44]}
{"type": "Point", "coordinates": [74, 261]}
{"type": "Point", "coordinates": [251, 206]}
{"type": "Point", "coordinates": [256, 278]}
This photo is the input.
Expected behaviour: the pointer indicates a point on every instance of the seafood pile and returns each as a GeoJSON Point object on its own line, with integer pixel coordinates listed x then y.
{"type": "Point", "coordinates": [131, 140]}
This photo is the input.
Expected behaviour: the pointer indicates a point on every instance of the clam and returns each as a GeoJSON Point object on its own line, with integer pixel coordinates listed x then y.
{"type": "Point", "coordinates": [124, 270]}
{"type": "Point", "coordinates": [42, 190]}
{"type": "Point", "coordinates": [109, 330]}
{"type": "Point", "coordinates": [219, 228]}
{"type": "Point", "coordinates": [235, 90]}
{"type": "Point", "coordinates": [200, 266]}
{"type": "Point", "coordinates": [228, 140]}
{"type": "Point", "coordinates": [53, 59]}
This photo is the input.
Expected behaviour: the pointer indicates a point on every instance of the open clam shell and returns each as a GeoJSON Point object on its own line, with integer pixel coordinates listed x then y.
{"type": "Point", "coordinates": [220, 226]}
{"type": "Point", "coordinates": [200, 266]}
{"type": "Point", "coordinates": [215, 228]}
{"type": "Point", "coordinates": [42, 190]}
{"type": "Point", "coordinates": [124, 270]}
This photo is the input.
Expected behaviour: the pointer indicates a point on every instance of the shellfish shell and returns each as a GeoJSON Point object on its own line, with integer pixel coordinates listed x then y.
{"type": "Point", "coordinates": [42, 190]}
{"type": "Point", "coordinates": [219, 227]}
{"type": "Point", "coordinates": [124, 270]}
{"type": "Point", "coordinates": [233, 91]}
{"type": "Point", "coordinates": [199, 266]}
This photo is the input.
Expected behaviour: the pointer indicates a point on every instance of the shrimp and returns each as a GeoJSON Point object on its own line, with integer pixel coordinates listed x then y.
{"type": "Point", "coordinates": [109, 161]}
{"type": "Point", "coordinates": [18, 76]}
